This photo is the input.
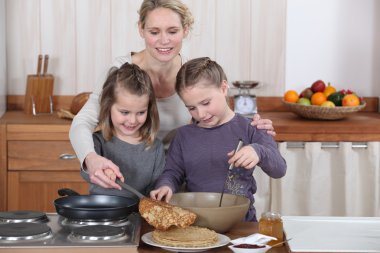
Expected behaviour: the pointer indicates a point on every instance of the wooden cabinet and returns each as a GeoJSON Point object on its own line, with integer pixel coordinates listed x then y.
{"type": "Point", "coordinates": [36, 160]}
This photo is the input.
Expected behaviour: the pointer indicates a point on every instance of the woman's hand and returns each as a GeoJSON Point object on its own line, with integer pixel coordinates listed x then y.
{"type": "Point", "coordinates": [263, 124]}
{"type": "Point", "coordinates": [246, 157]}
{"type": "Point", "coordinates": [102, 171]}
{"type": "Point", "coordinates": [162, 192]}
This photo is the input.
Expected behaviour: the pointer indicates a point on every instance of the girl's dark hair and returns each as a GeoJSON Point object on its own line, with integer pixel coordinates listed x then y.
{"type": "Point", "coordinates": [136, 81]}
{"type": "Point", "coordinates": [199, 69]}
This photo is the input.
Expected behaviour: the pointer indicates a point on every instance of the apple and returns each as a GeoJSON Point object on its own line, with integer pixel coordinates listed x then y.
{"type": "Point", "coordinates": [304, 101]}
{"type": "Point", "coordinates": [328, 104]}
{"type": "Point", "coordinates": [307, 93]}
{"type": "Point", "coordinates": [318, 86]}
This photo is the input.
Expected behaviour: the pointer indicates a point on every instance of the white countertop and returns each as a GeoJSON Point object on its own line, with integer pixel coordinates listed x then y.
{"type": "Point", "coordinates": [332, 234]}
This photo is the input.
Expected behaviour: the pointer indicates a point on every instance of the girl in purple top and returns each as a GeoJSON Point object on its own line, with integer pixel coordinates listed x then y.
{"type": "Point", "coordinates": [201, 153]}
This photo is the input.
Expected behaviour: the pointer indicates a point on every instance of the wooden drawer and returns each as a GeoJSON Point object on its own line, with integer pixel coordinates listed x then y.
{"type": "Point", "coordinates": [42, 155]}
{"type": "Point", "coordinates": [37, 190]}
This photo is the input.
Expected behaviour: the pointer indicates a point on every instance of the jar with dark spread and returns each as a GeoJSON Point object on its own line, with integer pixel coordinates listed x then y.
{"type": "Point", "coordinates": [270, 224]}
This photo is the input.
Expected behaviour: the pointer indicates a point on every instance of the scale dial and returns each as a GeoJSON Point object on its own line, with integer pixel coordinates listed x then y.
{"type": "Point", "coordinates": [245, 104]}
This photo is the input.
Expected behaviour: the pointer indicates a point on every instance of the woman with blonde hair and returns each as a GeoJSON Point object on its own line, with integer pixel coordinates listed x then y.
{"type": "Point", "coordinates": [163, 24]}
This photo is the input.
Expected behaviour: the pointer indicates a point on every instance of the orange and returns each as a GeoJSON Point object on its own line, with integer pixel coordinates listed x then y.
{"type": "Point", "coordinates": [318, 98]}
{"type": "Point", "coordinates": [329, 90]}
{"type": "Point", "coordinates": [291, 96]}
{"type": "Point", "coordinates": [350, 100]}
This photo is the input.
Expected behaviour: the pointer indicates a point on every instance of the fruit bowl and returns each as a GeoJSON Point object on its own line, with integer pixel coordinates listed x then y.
{"type": "Point", "coordinates": [322, 112]}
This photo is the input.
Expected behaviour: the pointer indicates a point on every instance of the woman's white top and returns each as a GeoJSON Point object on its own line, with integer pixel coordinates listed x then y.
{"type": "Point", "coordinates": [172, 112]}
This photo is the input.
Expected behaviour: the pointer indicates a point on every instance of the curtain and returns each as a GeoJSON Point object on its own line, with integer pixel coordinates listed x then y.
{"type": "Point", "coordinates": [324, 179]}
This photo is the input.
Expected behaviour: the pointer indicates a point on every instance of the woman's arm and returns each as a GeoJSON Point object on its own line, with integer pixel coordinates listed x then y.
{"type": "Point", "coordinates": [82, 127]}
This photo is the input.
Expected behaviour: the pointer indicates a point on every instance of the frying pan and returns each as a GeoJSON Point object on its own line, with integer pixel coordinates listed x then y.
{"type": "Point", "coordinates": [96, 207]}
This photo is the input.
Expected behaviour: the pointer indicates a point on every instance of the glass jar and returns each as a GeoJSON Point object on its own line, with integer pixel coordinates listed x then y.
{"type": "Point", "coordinates": [270, 224]}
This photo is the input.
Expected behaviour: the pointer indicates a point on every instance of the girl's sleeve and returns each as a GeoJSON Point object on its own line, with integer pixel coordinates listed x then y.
{"type": "Point", "coordinates": [159, 165]}
{"type": "Point", "coordinates": [271, 160]}
{"type": "Point", "coordinates": [174, 172]}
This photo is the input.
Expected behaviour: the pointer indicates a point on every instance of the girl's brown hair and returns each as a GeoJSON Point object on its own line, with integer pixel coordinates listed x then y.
{"type": "Point", "coordinates": [136, 81]}
{"type": "Point", "coordinates": [199, 69]}
{"type": "Point", "coordinates": [177, 6]}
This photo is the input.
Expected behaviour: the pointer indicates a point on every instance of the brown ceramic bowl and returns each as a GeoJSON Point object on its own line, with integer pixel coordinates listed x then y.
{"type": "Point", "coordinates": [209, 214]}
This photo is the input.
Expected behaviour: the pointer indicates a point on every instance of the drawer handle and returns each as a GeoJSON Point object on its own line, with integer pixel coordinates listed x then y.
{"type": "Point", "coordinates": [67, 157]}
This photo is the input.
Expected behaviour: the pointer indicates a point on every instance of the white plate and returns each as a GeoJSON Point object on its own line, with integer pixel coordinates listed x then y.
{"type": "Point", "coordinates": [222, 240]}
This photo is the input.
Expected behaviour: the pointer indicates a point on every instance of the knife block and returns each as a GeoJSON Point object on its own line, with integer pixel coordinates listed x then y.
{"type": "Point", "coordinates": [39, 94]}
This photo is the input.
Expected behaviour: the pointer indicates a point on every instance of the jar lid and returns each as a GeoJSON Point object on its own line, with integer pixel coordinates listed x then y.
{"type": "Point", "coordinates": [271, 215]}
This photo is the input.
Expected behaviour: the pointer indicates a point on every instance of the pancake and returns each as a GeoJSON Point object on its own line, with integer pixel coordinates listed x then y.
{"type": "Point", "coordinates": [162, 215]}
{"type": "Point", "coordinates": [189, 237]}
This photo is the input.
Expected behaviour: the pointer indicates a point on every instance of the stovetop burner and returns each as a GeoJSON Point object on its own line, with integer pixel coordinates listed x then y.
{"type": "Point", "coordinates": [24, 231]}
{"type": "Point", "coordinates": [21, 236]}
{"type": "Point", "coordinates": [81, 223]}
{"type": "Point", "coordinates": [97, 233]}
{"type": "Point", "coordinates": [22, 216]}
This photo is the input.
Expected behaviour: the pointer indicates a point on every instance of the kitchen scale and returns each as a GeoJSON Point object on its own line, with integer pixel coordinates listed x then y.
{"type": "Point", "coordinates": [244, 102]}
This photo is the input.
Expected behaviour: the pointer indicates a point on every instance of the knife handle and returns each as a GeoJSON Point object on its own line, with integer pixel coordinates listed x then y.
{"type": "Point", "coordinates": [39, 64]}
{"type": "Point", "coordinates": [46, 63]}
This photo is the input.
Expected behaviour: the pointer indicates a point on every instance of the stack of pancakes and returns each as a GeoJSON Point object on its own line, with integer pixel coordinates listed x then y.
{"type": "Point", "coordinates": [189, 237]}
{"type": "Point", "coordinates": [173, 225]}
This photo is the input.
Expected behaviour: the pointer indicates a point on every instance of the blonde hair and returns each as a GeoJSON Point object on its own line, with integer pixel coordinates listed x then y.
{"type": "Point", "coordinates": [199, 69]}
{"type": "Point", "coordinates": [136, 81]}
{"type": "Point", "coordinates": [177, 6]}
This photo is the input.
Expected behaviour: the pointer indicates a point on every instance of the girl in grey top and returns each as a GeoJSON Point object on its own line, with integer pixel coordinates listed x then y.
{"type": "Point", "coordinates": [200, 153]}
{"type": "Point", "coordinates": [128, 122]}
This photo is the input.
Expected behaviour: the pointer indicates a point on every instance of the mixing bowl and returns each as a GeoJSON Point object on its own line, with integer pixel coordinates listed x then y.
{"type": "Point", "coordinates": [209, 214]}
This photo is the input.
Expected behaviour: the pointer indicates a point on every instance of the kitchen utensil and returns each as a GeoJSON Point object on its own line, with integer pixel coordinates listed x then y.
{"type": "Point", "coordinates": [39, 89]}
{"type": "Point", "coordinates": [160, 214]}
{"type": "Point", "coordinates": [244, 102]}
{"type": "Point", "coordinates": [130, 188]}
{"type": "Point", "coordinates": [75, 206]}
{"type": "Point", "coordinates": [209, 215]}
{"type": "Point", "coordinates": [238, 147]}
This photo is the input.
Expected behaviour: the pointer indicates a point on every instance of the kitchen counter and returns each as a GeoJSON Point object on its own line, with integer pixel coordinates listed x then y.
{"type": "Point", "coordinates": [361, 126]}
{"type": "Point", "coordinates": [240, 230]}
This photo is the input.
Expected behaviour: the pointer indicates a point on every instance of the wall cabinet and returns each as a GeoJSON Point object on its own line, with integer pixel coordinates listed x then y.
{"type": "Point", "coordinates": [36, 160]}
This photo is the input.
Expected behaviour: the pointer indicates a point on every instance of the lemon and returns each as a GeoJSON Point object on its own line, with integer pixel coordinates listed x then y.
{"type": "Point", "coordinates": [328, 104]}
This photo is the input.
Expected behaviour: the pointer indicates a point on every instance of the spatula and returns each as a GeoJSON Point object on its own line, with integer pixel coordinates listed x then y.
{"type": "Point", "coordinates": [130, 189]}
{"type": "Point", "coordinates": [163, 219]}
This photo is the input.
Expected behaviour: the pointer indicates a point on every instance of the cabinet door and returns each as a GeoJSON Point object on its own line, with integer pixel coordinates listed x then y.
{"type": "Point", "coordinates": [37, 190]}
{"type": "Point", "coordinates": [41, 155]}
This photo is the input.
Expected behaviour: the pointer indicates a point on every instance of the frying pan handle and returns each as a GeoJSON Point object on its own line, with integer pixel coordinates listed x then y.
{"type": "Point", "coordinates": [67, 192]}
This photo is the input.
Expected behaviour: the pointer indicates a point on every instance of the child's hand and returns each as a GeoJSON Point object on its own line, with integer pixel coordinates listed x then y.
{"type": "Point", "coordinates": [246, 157]}
{"type": "Point", "coordinates": [163, 191]}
